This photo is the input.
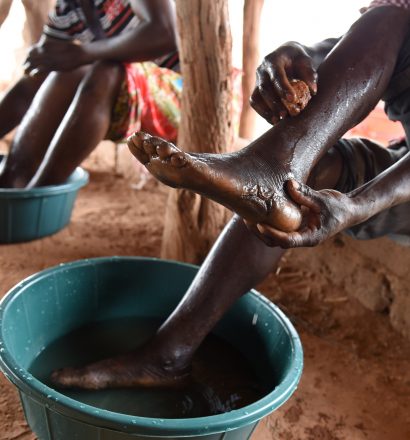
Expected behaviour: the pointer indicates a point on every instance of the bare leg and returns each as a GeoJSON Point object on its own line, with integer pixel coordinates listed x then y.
{"type": "Point", "coordinates": [17, 101]}
{"type": "Point", "coordinates": [38, 125]}
{"type": "Point", "coordinates": [84, 125]}
{"type": "Point", "coordinates": [237, 262]}
{"type": "Point", "coordinates": [251, 182]}
{"type": "Point", "coordinates": [166, 359]}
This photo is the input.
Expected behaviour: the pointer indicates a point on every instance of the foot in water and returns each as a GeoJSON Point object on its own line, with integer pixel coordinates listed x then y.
{"type": "Point", "coordinates": [243, 181]}
{"type": "Point", "coordinates": [129, 371]}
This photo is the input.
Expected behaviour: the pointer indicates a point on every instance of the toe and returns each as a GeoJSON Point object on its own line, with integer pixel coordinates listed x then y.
{"type": "Point", "coordinates": [65, 377]}
{"type": "Point", "coordinates": [164, 150]}
{"type": "Point", "coordinates": [135, 144]}
{"type": "Point", "coordinates": [178, 159]}
{"type": "Point", "coordinates": [151, 143]}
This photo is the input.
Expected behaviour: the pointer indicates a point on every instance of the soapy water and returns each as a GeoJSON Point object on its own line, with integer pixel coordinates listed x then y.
{"type": "Point", "coordinates": [223, 379]}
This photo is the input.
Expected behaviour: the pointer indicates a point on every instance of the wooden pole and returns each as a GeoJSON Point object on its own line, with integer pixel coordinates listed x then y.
{"type": "Point", "coordinates": [191, 222]}
{"type": "Point", "coordinates": [250, 58]}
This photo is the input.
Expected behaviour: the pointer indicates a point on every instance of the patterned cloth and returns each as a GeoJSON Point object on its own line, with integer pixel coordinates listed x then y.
{"type": "Point", "coordinates": [149, 100]}
{"type": "Point", "coordinates": [400, 3]}
{"type": "Point", "coordinates": [67, 21]}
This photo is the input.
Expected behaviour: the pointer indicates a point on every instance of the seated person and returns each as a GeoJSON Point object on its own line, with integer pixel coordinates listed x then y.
{"type": "Point", "coordinates": [256, 182]}
{"type": "Point", "coordinates": [100, 71]}
{"type": "Point", "coordinates": [351, 80]}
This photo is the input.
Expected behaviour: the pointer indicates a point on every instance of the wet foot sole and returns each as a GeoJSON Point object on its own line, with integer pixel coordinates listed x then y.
{"type": "Point", "coordinates": [240, 181]}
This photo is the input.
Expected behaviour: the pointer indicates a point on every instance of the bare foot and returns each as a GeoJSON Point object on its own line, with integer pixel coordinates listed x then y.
{"type": "Point", "coordinates": [241, 181]}
{"type": "Point", "coordinates": [128, 371]}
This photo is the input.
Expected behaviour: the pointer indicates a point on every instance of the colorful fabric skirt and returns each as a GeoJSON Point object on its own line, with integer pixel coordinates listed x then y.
{"type": "Point", "coordinates": [150, 100]}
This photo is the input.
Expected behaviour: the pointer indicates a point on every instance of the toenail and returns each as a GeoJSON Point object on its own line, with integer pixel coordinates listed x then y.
{"type": "Point", "coordinates": [177, 159]}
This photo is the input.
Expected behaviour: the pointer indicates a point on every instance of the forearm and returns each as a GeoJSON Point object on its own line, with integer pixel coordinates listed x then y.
{"type": "Point", "coordinates": [351, 81]}
{"type": "Point", "coordinates": [137, 45]}
{"type": "Point", "coordinates": [388, 189]}
{"type": "Point", "coordinates": [154, 36]}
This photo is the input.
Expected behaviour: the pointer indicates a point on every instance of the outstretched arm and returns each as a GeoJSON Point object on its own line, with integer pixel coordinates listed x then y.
{"type": "Point", "coordinates": [328, 212]}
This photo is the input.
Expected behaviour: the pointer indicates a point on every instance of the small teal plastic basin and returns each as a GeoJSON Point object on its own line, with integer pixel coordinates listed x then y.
{"type": "Point", "coordinates": [28, 214]}
{"type": "Point", "coordinates": [53, 302]}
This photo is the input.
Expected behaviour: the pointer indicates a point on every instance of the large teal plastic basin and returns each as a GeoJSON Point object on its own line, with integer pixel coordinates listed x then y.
{"type": "Point", "coordinates": [53, 302]}
{"type": "Point", "coordinates": [28, 214]}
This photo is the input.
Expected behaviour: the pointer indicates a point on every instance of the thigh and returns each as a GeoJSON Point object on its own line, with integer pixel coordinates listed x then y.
{"type": "Point", "coordinates": [102, 82]}
{"type": "Point", "coordinates": [397, 94]}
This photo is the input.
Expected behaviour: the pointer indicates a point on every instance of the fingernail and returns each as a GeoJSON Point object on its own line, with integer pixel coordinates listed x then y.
{"type": "Point", "coordinates": [295, 184]}
{"type": "Point", "coordinates": [261, 229]}
{"type": "Point", "coordinates": [290, 97]}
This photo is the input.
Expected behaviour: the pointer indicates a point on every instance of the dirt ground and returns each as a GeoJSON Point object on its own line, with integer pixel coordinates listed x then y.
{"type": "Point", "coordinates": [356, 380]}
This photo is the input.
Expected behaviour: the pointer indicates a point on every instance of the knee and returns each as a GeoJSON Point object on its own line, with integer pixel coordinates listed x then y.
{"type": "Point", "coordinates": [103, 79]}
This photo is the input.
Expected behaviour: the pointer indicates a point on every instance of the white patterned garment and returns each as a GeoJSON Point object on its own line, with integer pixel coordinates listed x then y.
{"type": "Point", "coordinates": [67, 20]}
{"type": "Point", "coordinates": [399, 3]}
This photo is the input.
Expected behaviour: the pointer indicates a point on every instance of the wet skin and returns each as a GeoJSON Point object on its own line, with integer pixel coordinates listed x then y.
{"type": "Point", "coordinates": [251, 182]}
{"type": "Point", "coordinates": [222, 178]}
{"type": "Point", "coordinates": [351, 81]}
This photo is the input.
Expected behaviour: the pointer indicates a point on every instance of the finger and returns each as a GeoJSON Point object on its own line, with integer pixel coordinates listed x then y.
{"type": "Point", "coordinates": [259, 105]}
{"type": "Point", "coordinates": [303, 238]}
{"type": "Point", "coordinates": [34, 72]}
{"type": "Point", "coordinates": [268, 93]}
{"type": "Point", "coordinates": [254, 229]}
{"type": "Point", "coordinates": [281, 84]}
{"type": "Point", "coordinates": [27, 67]}
{"type": "Point", "coordinates": [308, 74]}
{"type": "Point", "coordinates": [304, 195]}
{"type": "Point", "coordinates": [275, 237]}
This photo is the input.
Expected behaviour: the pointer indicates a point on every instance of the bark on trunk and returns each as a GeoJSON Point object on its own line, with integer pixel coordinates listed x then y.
{"type": "Point", "coordinates": [191, 222]}
{"type": "Point", "coordinates": [250, 57]}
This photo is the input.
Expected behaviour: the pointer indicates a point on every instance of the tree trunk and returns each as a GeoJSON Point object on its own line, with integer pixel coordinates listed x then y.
{"type": "Point", "coordinates": [191, 222]}
{"type": "Point", "coordinates": [250, 57]}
